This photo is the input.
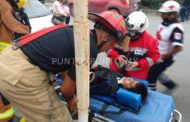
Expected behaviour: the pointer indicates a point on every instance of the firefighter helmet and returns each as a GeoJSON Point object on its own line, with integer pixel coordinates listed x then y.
{"type": "Point", "coordinates": [112, 21]}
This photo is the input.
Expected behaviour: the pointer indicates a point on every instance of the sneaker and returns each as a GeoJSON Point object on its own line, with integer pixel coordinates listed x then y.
{"type": "Point", "coordinates": [170, 84]}
{"type": "Point", "coordinates": [166, 81]}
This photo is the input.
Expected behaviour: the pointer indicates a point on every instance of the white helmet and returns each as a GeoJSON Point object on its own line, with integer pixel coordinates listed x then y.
{"type": "Point", "coordinates": [170, 6]}
{"type": "Point", "coordinates": [137, 22]}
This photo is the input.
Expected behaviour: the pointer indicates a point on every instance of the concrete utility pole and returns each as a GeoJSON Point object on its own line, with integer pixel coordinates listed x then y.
{"type": "Point", "coordinates": [81, 36]}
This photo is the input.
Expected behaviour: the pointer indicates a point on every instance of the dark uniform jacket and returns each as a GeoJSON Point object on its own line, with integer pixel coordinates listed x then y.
{"type": "Point", "coordinates": [54, 52]}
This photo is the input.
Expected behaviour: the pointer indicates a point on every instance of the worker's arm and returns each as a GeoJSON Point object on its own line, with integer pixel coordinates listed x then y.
{"type": "Point", "coordinates": [152, 56]}
{"type": "Point", "coordinates": [9, 20]}
{"type": "Point", "coordinates": [171, 52]}
{"type": "Point", "coordinates": [117, 54]}
{"type": "Point", "coordinates": [68, 91]}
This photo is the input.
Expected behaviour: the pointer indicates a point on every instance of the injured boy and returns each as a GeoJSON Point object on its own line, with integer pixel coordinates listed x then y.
{"type": "Point", "coordinates": [107, 81]}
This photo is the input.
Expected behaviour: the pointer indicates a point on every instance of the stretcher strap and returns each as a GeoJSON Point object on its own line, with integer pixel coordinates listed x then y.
{"type": "Point", "coordinates": [105, 106]}
{"type": "Point", "coordinates": [112, 102]}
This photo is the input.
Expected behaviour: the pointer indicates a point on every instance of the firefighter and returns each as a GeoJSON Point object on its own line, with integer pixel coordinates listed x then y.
{"type": "Point", "coordinates": [8, 25]}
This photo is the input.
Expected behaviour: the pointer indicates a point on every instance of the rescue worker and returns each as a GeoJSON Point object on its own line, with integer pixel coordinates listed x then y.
{"type": "Point", "coordinates": [170, 35]}
{"type": "Point", "coordinates": [8, 25]}
{"type": "Point", "coordinates": [25, 67]}
{"type": "Point", "coordinates": [143, 49]}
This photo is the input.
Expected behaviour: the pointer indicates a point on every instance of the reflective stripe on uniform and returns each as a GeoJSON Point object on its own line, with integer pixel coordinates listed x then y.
{"type": "Point", "coordinates": [152, 86]}
{"type": "Point", "coordinates": [144, 50]}
{"type": "Point", "coordinates": [7, 114]}
{"type": "Point", "coordinates": [150, 61]}
{"type": "Point", "coordinates": [3, 45]}
{"type": "Point", "coordinates": [135, 69]}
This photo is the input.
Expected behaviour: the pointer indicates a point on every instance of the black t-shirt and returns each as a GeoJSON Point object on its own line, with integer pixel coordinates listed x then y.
{"type": "Point", "coordinates": [54, 52]}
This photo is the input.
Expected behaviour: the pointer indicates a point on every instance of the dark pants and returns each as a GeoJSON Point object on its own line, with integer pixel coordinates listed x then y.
{"type": "Point", "coordinates": [156, 70]}
{"type": "Point", "coordinates": [184, 13]}
{"type": "Point", "coordinates": [67, 20]}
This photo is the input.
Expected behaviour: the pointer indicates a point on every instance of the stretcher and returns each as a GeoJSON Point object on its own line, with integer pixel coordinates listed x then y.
{"type": "Point", "coordinates": [158, 107]}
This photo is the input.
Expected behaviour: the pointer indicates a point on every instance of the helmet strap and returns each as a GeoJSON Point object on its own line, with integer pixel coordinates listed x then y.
{"type": "Point", "coordinates": [120, 36]}
{"type": "Point", "coordinates": [104, 41]}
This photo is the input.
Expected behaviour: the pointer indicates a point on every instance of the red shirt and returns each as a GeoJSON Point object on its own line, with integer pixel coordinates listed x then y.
{"type": "Point", "coordinates": [144, 50]}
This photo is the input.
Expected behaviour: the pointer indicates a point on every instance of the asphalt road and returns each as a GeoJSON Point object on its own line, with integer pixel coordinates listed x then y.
{"type": "Point", "coordinates": [179, 72]}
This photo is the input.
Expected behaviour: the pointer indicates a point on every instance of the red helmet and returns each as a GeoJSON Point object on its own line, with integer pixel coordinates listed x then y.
{"type": "Point", "coordinates": [111, 20]}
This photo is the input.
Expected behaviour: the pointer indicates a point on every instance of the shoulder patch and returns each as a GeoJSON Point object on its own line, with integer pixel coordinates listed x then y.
{"type": "Point", "coordinates": [177, 36]}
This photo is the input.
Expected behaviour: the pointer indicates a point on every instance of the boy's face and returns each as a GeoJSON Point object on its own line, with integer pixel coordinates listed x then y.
{"type": "Point", "coordinates": [129, 83]}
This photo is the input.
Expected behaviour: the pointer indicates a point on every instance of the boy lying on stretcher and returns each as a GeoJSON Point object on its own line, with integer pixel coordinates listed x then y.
{"type": "Point", "coordinates": [113, 81]}
{"type": "Point", "coordinates": [134, 86]}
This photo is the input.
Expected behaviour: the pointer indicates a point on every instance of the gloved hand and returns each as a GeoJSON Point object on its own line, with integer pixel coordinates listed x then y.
{"type": "Point", "coordinates": [132, 65]}
{"type": "Point", "coordinates": [121, 59]}
{"type": "Point", "coordinates": [121, 62]}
